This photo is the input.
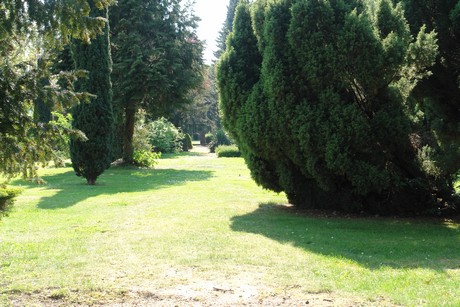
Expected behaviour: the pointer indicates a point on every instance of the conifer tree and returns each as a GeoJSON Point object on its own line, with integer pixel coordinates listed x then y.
{"type": "Point", "coordinates": [226, 28]}
{"type": "Point", "coordinates": [318, 96]}
{"type": "Point", "coordinates": [95, 118]}
{"type": "Point", "coordinates": [30, 33]}
{"type": "Point", "coordinates": [157, 60]}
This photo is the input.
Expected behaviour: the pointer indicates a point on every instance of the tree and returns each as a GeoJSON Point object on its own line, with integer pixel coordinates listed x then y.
{"type": "Point", "coordinates": [157, 60]}
{"type": "Point", "coordinates": [202, 115]}
{"type": "Point", "coordinates": [226, 28]}
{"type": "Point", "coordinates": [30, 33]}
{"type": "Point", "coordinates": [438, 96]}
{"type": "Point", "coordinates": [95, 118]}
{"type": "Point", "coordinates": [317, 96]}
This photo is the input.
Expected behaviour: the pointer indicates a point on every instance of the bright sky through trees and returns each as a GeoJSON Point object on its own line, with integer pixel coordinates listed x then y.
{"type": "Point", "coordinates": [212, 14]}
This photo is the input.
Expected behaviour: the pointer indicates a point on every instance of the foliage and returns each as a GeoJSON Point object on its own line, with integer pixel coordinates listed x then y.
{"type": "Point", "coordinates": [222, 138]}
{"type": "Point", "coordinates": [141, 134]}
{"type": "Point", "coordinates": [216, 139]}
{"type": "Point", "coordinates": [164, 136]}
{"type": "Point", "coordinates": [210, 137]}
{"type": "Point", "coordinates": [186, 142]}
{"type": "Point", "coordinates": [228, 151]}
{"type": "Point", "coordinates": [60, 144]}
{"type": "Point", "coordinates": [7, 195]}
{"type": "Point", "coordinates": [202, 114]}
{"type": "Point", "coordinates": [143, 158]}
{"type": "Point", "coordinates": [226, 29]}
{"type": "Point", "coordinates": [157, 60]}
{"type": "Point", "coordinates": [435, 100]}
{"type": "Point", "coordinates": [316, 94]}
{"type": "Point", "coordinates": [95, 118]}
{"type": "Point", "coordinates": [30, 33]}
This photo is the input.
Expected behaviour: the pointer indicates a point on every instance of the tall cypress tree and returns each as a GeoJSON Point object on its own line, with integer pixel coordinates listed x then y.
{"type": "Point", "coordinates": [95, 118]}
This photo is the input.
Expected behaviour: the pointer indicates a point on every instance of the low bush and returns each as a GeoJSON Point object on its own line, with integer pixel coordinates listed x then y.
{"type": "Point", "coordinates": [7, 196]}
{"type": "Point", "coordinates": [143, 158]}
{"type": "Point", "coordinates": [164, 136]}
{"type": "Point", "coordinates": [227, 151]}
{"type": "Point", "coordinates": [222, 138]}
{"type": "Point", "coordinates": [209, 137]}
{"type": "Point", "coordinates": [187, 142]}
{"type": "Point", "coordinates": [212, 146]}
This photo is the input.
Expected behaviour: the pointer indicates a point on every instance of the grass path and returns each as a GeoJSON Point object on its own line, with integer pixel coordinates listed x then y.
{"type": "Point", "coordinates": [198, 231]}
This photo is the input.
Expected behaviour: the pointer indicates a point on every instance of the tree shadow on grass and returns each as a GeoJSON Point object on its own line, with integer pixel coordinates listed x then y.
{"type": "Point", "coordinates": [72, 189]}
{"type": "Point", "coordinates": [373, 243]}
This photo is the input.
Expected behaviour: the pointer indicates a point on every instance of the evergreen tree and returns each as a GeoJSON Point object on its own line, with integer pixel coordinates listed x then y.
{"type": "Point", "coordinates": [157, 60]}
{"type": "Point", "coordinates": [95, 118]}
{"type": "Point", "coordinates": [438, 96]}
{"type": "Point", "coordinates": [30, 33]}
{"type": "Point", "coordinates": [226, 28]}
{"type": "Point", "coordinates": [317, 95]}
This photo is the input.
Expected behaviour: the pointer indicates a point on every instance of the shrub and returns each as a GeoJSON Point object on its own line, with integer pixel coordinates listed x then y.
{"type": "Point", "coordinates": [218, 139]}
{"type": "Point", "coordinates": [7, 196]}
{"type": "Point", "coordinates": [228, 151]}
{"type": "Point", "coordinates": [209, 137]}
{"type": "Point", "coordinates": [196, 136]}
{"type": "Point", "coordinates": [164, 136]}
{"type": "Point", "coordinates": [141, 136]}
{"type": "Point", "coordinates": [222, 138]}
{"type": "Point", "coordinates": [186, 142]}
{"type": "Point", "coordinates": [145, 158]}
{"type": "Point", "coordinates": [212, 146]}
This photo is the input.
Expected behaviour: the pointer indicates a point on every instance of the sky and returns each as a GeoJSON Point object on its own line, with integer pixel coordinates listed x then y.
{"type": "Point", "coordinates": [212, 14]}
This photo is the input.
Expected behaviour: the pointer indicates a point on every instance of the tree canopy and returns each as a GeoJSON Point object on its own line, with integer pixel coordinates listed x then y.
{"type": "Point", "coordinates": [320, 97]}
{"type": "Point", "coordinates": [30, 34]}
{"type": "Point", "coordinates": [157, 60]}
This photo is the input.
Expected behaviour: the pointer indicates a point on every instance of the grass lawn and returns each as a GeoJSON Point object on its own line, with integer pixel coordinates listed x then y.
{"type": "Point", "coordinates": [197, 231]}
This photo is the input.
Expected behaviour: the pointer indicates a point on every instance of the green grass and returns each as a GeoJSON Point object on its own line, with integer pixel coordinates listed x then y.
{"type": "Point", "coordinates": [197, 219]}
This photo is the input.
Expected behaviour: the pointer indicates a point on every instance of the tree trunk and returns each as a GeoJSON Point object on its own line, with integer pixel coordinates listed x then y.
{"type": "Point", "coordinates": [128, 150]}
{"type": "Point", "coordinates": [91, 181]}
{"type": "Point", "coordinates": [202, 138]}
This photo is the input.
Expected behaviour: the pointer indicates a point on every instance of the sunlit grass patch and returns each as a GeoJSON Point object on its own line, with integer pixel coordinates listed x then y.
{"type": "Point", "coordinates": [197, 223]}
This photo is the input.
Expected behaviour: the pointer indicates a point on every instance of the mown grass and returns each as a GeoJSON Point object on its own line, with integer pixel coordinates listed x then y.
{"type": "Point", "coordinates": [196, 219]}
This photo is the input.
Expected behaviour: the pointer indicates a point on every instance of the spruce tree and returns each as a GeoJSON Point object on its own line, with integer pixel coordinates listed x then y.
{"type": "Point", "coordinates": [95, 118]}
{"type": "Point", "coordinates": [226, 28]}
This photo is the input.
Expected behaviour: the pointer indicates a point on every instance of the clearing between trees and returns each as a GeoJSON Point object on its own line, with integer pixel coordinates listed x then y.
{"type": "Point", "coordinates": [197, 231]}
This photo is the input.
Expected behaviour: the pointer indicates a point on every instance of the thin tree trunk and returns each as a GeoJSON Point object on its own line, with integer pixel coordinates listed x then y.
{"type": "Point", "coordinates": [128, 150]}
{"type": "Point", "coordinates": [202, 138]}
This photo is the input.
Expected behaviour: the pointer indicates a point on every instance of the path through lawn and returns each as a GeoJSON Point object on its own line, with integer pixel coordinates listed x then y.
{"type": "Point", "coordinates": [198, 231]}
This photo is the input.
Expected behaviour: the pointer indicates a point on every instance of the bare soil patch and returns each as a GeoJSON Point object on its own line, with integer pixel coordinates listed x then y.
{"type": "Point", "coordinates": [196, 294]}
